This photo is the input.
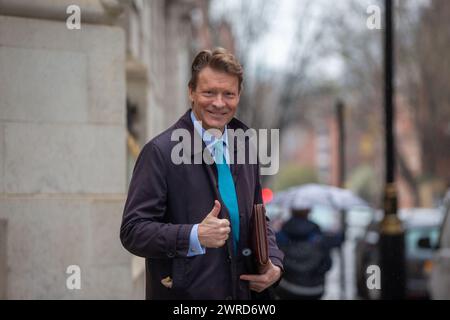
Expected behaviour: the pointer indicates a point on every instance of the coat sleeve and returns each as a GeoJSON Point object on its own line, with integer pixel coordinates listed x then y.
{"type": "Point", "coordinates": [275, 254]}
{"type": "Point", "coordinates": [145, 230]}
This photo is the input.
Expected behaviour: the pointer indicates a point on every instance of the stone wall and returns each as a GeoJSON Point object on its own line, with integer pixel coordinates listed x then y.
{"type": "Point", "coordinates": [62, 158]}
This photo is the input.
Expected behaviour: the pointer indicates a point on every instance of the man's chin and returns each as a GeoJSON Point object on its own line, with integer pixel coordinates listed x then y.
{"type": "Point", "coordinates": [215, 124]}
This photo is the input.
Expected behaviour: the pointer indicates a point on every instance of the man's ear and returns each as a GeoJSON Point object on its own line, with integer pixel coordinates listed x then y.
{"type": "Point", "coordinates": [190, 94]}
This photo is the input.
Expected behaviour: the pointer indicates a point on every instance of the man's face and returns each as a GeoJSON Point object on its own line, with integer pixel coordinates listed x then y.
{"type": "Point", "coordinates": [215, 99]}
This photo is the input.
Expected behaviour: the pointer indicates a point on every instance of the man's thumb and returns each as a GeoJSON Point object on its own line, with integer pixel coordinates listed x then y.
{"type": "Point", "coordinates": [216, 209]}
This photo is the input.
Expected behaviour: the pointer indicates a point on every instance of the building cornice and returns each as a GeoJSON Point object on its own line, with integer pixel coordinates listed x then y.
{"type": "Point", "coordinates": [92, 11]}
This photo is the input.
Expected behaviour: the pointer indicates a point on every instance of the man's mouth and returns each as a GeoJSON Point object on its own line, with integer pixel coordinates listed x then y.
{"type": "Point", "coordinates": [216, 114]}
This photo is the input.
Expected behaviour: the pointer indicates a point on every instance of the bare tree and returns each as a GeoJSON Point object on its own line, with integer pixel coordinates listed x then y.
{"type": "Point", "coordinates": [424, 65]}
{"type": "Point", "coordinates": [361, 83]}
{"type": "Point", "coordinates": [423, 74]}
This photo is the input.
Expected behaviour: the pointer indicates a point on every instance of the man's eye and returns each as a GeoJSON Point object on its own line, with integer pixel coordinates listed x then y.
{"type": "Point", "coordinates": [229, 94]}
{"type": "Point", "coordinates": [208, 93]}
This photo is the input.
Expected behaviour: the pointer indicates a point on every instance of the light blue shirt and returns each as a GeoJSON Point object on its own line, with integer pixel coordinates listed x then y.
{"type": "Point", "coordinates": [195, 248]}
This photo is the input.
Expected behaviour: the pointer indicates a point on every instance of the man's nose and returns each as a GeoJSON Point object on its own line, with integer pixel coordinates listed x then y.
{"type": "Point", "coordinates": [218, 101]}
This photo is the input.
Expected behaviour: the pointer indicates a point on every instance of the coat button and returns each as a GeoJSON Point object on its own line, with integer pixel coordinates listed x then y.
{"type": "Point", "coordinates": [171, 254]}
{"type": "Point", "coordinates": [229, 298]}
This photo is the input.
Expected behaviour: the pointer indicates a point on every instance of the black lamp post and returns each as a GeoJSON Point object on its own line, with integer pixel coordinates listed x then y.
{"type": "Point", "coordinates": [392, 240]}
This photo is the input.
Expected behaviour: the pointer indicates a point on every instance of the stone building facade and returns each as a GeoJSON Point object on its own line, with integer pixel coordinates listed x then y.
{"type": "Point", "coordinates": [64, 161]}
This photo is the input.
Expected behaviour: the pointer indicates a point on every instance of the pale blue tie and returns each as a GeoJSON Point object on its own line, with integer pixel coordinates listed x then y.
{"type": "Point", "coordinates": [227, 190]}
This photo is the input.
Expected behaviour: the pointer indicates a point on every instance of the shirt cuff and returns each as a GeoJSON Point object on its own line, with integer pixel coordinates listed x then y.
{"type": "Point", "coordinates": [195, 248]}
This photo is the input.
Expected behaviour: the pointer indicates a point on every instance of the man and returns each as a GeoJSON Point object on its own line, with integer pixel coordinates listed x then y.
{"type": "Point", "coordinates": [191, 221]}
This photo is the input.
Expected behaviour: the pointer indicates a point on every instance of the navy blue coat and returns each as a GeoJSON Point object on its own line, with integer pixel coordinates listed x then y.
{"type": "Point", "coordinates": [165, 200]}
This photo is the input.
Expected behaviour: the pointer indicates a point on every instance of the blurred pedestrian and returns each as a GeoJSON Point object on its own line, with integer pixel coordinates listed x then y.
{"type": "Point", "coordinates": [307, 257]}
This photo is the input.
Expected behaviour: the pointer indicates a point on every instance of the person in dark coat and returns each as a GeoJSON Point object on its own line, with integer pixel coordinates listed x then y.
{"type": "Point", "coordinates": [307, 257]}
{"type": "Point", "coordinates": [190, 219]}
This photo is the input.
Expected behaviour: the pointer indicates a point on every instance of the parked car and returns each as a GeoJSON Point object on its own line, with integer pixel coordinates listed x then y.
{"type": "Point", "coordinates": [439, 284]}
{"type": "Point", "coordinates": [421, 237]}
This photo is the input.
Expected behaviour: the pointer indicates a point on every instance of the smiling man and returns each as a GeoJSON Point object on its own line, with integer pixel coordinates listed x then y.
{"type": "Point", "coordinates": [192, 221]}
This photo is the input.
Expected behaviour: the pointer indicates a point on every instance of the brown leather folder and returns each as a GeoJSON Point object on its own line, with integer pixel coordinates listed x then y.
{"type": "Point", "coordinates": [259, 237]}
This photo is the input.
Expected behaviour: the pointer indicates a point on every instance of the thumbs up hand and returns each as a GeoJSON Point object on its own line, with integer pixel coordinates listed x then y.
{"type": "Point", "coordinates": [212, 231]}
